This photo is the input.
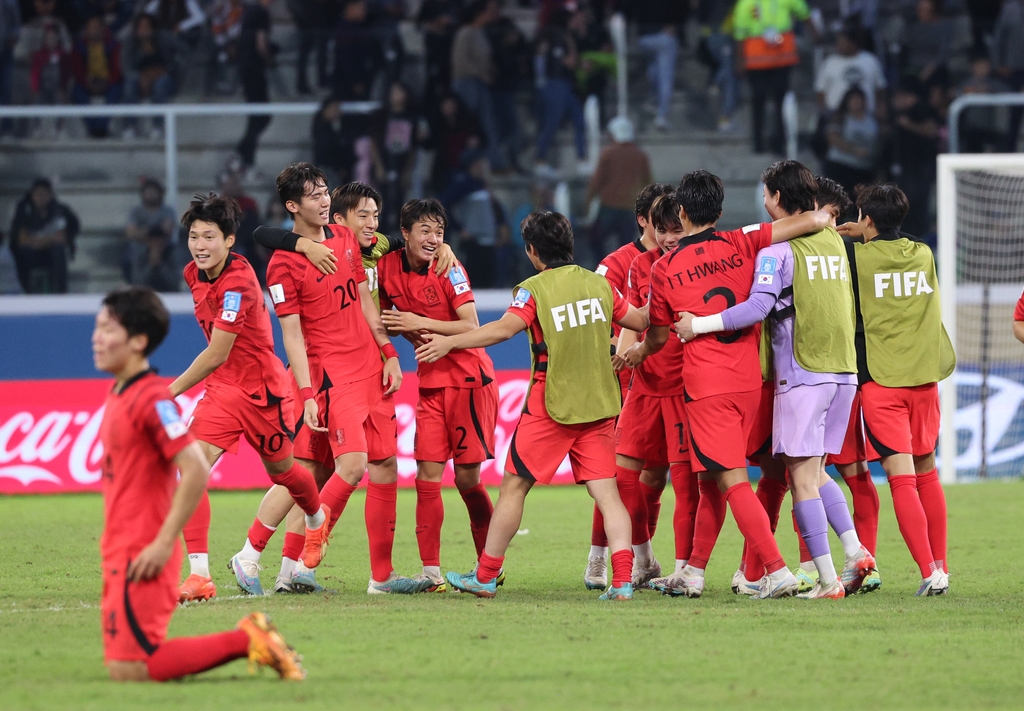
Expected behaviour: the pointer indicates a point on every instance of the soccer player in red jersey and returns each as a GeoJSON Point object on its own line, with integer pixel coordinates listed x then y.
{"type": "Point", "coordinates": [341, 380]}
{"type": "Point", "coordinates": [248, 391]}
{"type": "Point", "coordinates": [458, 396]}
{"type": "Point", "coordinates": [615, 268]}
{"type": "Point", "coordinates": [567, 310]}
{"type": "Point", "coordinates": [145, 443]}
{"type": "Point", "coordinates": [650, 434]}
{"type": "Point", "coordinates": [721, 375]}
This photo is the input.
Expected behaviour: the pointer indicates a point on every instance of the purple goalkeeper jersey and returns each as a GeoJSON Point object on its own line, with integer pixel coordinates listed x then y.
{"type": "Point", "coordinates": [773, 276]}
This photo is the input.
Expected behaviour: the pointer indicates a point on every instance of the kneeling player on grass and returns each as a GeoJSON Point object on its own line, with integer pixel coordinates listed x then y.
{"type": "Point", "coordinates": [573, 398]}
{"type": "Point", "coordinates": [904, 353]}
{"type": "Point", "coordinates": [458, 396]}
{"type": "Point", "coordinates": [248, 391]}
{"type": "Point", "coordinates": [144, 443]}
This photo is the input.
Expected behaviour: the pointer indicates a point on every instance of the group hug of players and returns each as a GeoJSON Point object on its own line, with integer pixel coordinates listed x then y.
{"type": "Point", "coordinates": [781, 343]}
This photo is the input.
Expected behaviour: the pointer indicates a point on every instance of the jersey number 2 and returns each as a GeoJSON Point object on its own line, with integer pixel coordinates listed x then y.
{"type": "Point", "coordinates": [730, 301]}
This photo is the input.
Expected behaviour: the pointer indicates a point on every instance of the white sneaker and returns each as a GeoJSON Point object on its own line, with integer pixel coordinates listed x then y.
{"type": "Point", "coordinates": [645, 571]}
{"type": "Point", "coordinates": [595, 577]}
{"type": "Point", "coordinates": [742, 586]}
{"type": "Point", "coordinates": [935, 584]}
{"type": "Point", "coordinates": [434, 583]}
{"type": "Point", "coordinates": [786, 587]}
{"type": "Point", "coordinates": [682, 583]}
{"type": "Point", "coordinates": [835, 591]}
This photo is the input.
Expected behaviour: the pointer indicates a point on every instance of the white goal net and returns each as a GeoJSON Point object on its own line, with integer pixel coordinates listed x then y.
{"type": "Point", "coordinates": [981, 276]}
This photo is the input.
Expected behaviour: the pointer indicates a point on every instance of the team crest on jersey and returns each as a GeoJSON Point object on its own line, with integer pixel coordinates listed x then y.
{"type": "Point", "coordinates": [431, 293]}
{"type": "Point", "coordinates": [340, 436]}
{"type": "Point", "coordinates": [522, 296]}
{"type": "Point", "coordinates": [170, 418]}
{"type": "Point", "coordinates": [232, 305]}
{"type": "Point", "coordinates": [277, 293]}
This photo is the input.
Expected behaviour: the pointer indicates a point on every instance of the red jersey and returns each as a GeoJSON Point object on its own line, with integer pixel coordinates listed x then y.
{"type": "Point", "coordinates": [660, 375]}
{"type": "Point", "coordinates": [1018, 312]}
{"type": "Point", "coordinates": [233, 302]}
{"type": "Point", "coordinates": [142, 432]}
{"type": "Point", "coordinates": [706, 274]}
{"type": "Point", "coordinates": [339, 344]}
{"type": "Point", "coordinates": [426, 294]}
{"type": "Point", "coordinates": [615, 268]}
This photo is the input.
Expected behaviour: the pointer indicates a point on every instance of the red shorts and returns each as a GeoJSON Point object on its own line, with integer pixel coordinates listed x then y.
{"type": "Point", "coordinates": [719, 428]}
{"type": "Point", "coordinates": [365, 412]}
{"type": "Point", "coordinates": [760, 440]}
{"type": "Point", "coordinates": [539, 445]}
{"type": "Point", "coordinates": [901, 420]}
{"type": "Point", "coordinates": [224, 415]}
{"type": "Point", "coordinates": [456, 424]}
{"type": "Point", "coordinates": [135, 615]}
{"type": "Point", "coordinates": [856, 448]}
{"type": "Point", "coordinates": [652, 429]}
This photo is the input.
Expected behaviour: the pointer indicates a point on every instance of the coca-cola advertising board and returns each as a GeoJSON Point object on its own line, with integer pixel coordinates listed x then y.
{"type": "Point", "coordinates": [49, 436]}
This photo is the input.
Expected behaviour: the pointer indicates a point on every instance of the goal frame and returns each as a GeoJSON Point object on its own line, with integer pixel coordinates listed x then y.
{"type": "Point", "coordinates": [946, 202]}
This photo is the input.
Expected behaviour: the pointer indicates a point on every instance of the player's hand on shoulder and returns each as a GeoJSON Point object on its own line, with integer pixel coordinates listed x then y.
{"type": "Point", "coordinates": [444, 259]}
{"type": "Point", "coordinates": [320, 255]}
{"type": "Point", "coordinates": [433, 349]}
{"type": "Point", "coordinates": [401, 321]}
{"type": "Point", "coordinates": [311, 416]}
{"type": "Point", "coordinates": [850, 229]}
{"type": "Point", "coordinates": [150, 561]}
{"type": "Point", "coordinates": [684, 327]}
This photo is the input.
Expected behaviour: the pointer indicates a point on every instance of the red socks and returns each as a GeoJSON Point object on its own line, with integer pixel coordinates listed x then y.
{"type": "Point", "coordinates": [622, 567]}
{"type": "Point", "coordinates": [381, 502]}
{"type": "Point", "coordinates": [597, 535]}
{"type": "Point", "coordinates": [710, 517]}
{"type": "Point", "coordinates": [628, 482]}
{"type": "Point", "coordinates": [489, 567]}
{"type": "Point", "coordinates": [429, 517]}
{"type": "Point", "coordinates": [865, 509]}
{"type": "Point", "coordinates": [933, 501]}
{"type": "Point", "coordinates": [478, 504]}
{"type": "Point", "coordinates": [259, 535]}
{"type": "Point", "coordinates": [293, 545]}
{"type": "Point", "coordinates": [652, 500]}
{"type": "Point", "coordinates": [336, 494]}
{"type": "Point", "coordinates": [912, 520]}
{"type": "Point", "coordinates": [752, 521]}
{"type": "Point", "coordinates": [302, 486]}
{"type": "Point", "coordinates": [684, 483]}
{"type": "Point", "coordinates": [197, 529]}
{"type": "Point", "coordinates": [771, 493]}
{"type": "Point", "coordinates": [190, 655]}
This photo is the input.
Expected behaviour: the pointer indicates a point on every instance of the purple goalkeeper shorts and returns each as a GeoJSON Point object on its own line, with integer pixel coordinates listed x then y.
{"type": "Point", "coordinates": [811, 420]}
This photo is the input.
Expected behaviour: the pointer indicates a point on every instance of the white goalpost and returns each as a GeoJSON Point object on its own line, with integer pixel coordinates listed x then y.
{"type": "Point", "coordinates": [980, 200]}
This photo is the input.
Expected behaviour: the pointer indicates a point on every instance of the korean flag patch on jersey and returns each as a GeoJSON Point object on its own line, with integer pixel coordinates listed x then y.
{"type": "Point", "coordinates": [766, 267]}
{"type": "Point", "coordinates": [232, 305]}
{"type": "Point", "coordinates": [457, 276]}
{"type": "Point", "coordinates": [522, 296]}
{"type": "Point", "coordinates": [170, 418]}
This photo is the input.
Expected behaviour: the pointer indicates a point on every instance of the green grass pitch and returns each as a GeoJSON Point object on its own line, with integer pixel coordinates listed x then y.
{"type": "Point", "coordinates": [544, 642]}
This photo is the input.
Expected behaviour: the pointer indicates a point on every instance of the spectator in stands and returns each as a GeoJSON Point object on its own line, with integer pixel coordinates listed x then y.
{"type": "Point", "coordinates": [50, 74]}
{"type": "Point", "coordinates": [980, 130]}
{"type": "Point", "coordinates": [96, 65]}
{"type": "Point", "coordinates": [557, 59]}
{"type": "Point", "coordinates": [542, 199]}
{"type": "Point", "coordinates": [225, 29]}
{"type": "Point", "coordinates": [853, 141]}
{"type": "Point", "coordinates": [597, 60]}
{"type": "Point", "coordinates": [43, 236]}
{"type": "Point", "coordinates": [660, 24]}
{"type": "Point", "coordinates": [715, 17]}
{"type": "Point", "coordinates": [10, 29]}
{"type": "Point", "coordinates": [984, 14]}
{"type": "Point", "coordinates": [145, 221]}
{"type": "Point", "coordinates": [438, 20]}
{"type": "Point", "coordinates": [357, 53]}
{"type": "Point", "coordinates": [332, 148]}
{"type": "Point", "coordinates": [468, 200]}
{"type": "Point", "coordinates": [505, 253]}
{"type": "Point", "coordinates": [184, 19]}
{"type": "Point", "coordinates": [158, 270]}
{"type": "Point", "coordinates": [150, 68]}
{"type": "Point", "coordinates": [230, 186]}
{"type": "Point", "coordinates": [277, 215]}
{"type": "Point", "coordinates": [764, 30]}
{"type": "Point", "coordinates": [622, 172]}
{"type": "Point", "coordinates": [512, 60]}
{"type": "Point", "coordinates": [399, 131]}
{"type": "Point", "coordinates": [929, 45]}
{"type": "Point", "coordinates": [116, 13]}
{"type": "Point", "coordinates": [916, 146]}
{"type": "Point", "coordinates": [32, 33]}
{"type": "Point", "coordinates": [254, 55]}
{"type": "Point", "coordinates": [453, 129]}
{"type": "Point", "coordinates": [313, 20]}
{"type": "Point", "coordinates": [1008, 57]}
{"type": "Point", "coordinates": [849, 67]}
{"type": "Point", "coordinates": [473, 73]}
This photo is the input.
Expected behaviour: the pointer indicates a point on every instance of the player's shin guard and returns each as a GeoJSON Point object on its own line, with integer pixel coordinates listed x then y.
{"type": "Point", "coordinates": [302, 486]}
{"type": "Point", "coordinates": [478, 504]}
{"type": "Point", "coordinates": [598, 537]}
{"type": "Point", "coordinates": [335, 496]}
{"type": "Point", "coordinates": [622, 567]}
{"type": "Point", "coordinates": [684, 484]}
{"type": "Point", "coordinates": [865, 509]}
{"type": "Point", "coordinates": [381, 503]}
{"type": "Point", "coordinates": [933, 501]}
{"type": "Point", "coordinates": [197, 530]}
{"type": "Point", "coordinates": [709, 521]}
{"type": "Point", "coordinates": [652, 500]}
{"type": "Point", "coordinates": [628, 483]}
{"type": "Point", "coordinates": [429, 518]}
{"type": "Point", "coordinates": [753, 524]}
{"type": "Point", "coordinates": [912, 520]}
{"type": "Point", "coordinates": [771, 493]}
{"type": "Point", "coordinates": [190, 655]}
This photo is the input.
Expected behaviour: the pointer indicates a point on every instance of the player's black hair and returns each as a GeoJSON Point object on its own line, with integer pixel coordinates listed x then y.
{"type": "Point", "coordinates": [832, 193]}
{"type": "Point", "coordinates": [700, 194]}
{"type": "Point", "coordinates": [221, 210]}
{"type": "Point", "coordinates": [297, 180]}
{"type": "Point", "coordinates": [140, 311]}
{"type": "Point", "coordinates": [886, 205]}
{"type": "Point", "coordinates": [647, 197]}
{"type": "Point", "coordinates": [550, 234]}
{"type": "Point", "coordinates": [347, 197]}
{"type": "Point", "coordinates": [665, 214]}
{"type": "Point", "coordinates": [420, 211]}
{"type": "Point", "coordinates": [795, 184]}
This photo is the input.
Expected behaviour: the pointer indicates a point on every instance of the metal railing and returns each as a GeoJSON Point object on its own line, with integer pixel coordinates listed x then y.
{"type": "Point", "coordinates": [170, 114]}
{"type": "Point", "coordinates": [968, 100]}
